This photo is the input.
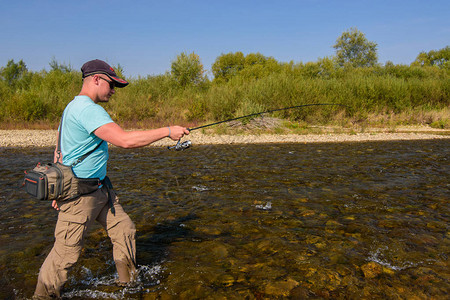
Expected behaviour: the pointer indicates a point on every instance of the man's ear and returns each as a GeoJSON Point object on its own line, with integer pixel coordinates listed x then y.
{"type": "Point", "coordinates": [95, 79]}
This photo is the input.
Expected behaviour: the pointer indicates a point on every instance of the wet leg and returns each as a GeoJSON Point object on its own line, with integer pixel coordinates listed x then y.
{"type": "Point", "coordinates": [121, 229]}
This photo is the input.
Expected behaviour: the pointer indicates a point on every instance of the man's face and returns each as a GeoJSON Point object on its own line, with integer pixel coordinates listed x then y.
{"type": "Point", "coordinates": [105, 87]}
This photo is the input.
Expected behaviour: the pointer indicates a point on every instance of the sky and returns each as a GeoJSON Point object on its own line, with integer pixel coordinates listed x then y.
{"type": "Point", "coordinates": [144, 37]}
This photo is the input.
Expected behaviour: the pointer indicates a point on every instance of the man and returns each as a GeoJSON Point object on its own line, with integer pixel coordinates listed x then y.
{"type": "Point", "coordinates": [84, 128]}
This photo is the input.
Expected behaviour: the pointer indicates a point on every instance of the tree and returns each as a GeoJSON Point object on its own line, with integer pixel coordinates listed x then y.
{"type": "Point", "coordinates": [352, 47]}
{"type": "Point", "coordinates": [56, 66]}
{"type": "Point", "coordinates": [228, 65]}
{"type": "Point", "coordinates": [13, 71]}
{"type": "Point", "coordinates": [440, 58]}
{"type": "Point", "coordinates": [255, 59]}
{"type": "Point", "coordinates": [258, 66]}
{"type": "Point", "coordinates": [187, 69]}
{"type": "Point", "coordinates": [253, 65]}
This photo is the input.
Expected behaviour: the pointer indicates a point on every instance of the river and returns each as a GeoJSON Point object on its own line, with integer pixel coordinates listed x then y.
{"type": "Point", "coordinates": [320, 221]}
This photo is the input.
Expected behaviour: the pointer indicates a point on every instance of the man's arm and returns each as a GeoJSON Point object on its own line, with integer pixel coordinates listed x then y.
{"type": "Point", "coordinates": [114, 134]}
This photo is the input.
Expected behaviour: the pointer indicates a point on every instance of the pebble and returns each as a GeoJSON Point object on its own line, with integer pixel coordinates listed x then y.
{"type": "Point", "coordinates": [47, 138]}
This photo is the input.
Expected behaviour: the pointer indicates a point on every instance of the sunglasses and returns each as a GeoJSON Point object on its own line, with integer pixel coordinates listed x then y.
{"type": "Point", "coordinates": [111, 83]}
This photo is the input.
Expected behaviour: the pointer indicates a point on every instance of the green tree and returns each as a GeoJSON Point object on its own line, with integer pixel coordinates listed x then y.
{"type": "Point", "coordinates": [56, 66]}
{"type": "Point", "coordinates": [253, 65]}
{"type": "Point", "coordinates": [440, 58]}
{"type": "Point", "coordinates": [187, 69]}
{"type": "Point", "coordinates": [228, 65]}
{"type": "Point", "coordinates": [13, 71]}
{"type": "Point", "coordinates": [352, 47]}
{"type": "Point", "coordinates": [255, 59]}
{"type": "Point", "coordinates": [258, 66]}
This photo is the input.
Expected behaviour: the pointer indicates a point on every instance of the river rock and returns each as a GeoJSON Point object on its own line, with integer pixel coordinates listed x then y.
{"type": "Point", "coordinates": [300, 293]}
{"type": "Point", "coordinates": [388, 271]}
{"type": "Point", "coordinates": [281, 288]}
{"type": "Point", "coordinates": [220, 251]}
{"type": "Point", "coordinates": [372, 269]}
{"type": "Point", "coordinates": [332, 224]}
{"type": "Point", "coordinates": [226, 280]}
{"type": "Point", "coordinates": [210, 230]}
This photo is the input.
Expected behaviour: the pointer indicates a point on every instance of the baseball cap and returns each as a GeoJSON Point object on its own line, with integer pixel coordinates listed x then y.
{"type": "Point", "coordinates": [98, 66]}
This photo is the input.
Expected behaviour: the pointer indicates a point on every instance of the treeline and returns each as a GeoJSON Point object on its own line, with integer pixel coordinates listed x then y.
{"type": "Point", "coordinates": [241, 84]}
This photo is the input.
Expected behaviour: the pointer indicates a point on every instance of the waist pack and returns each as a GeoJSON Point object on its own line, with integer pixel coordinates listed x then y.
{"type": "Point", "coordinates": [55, 181]}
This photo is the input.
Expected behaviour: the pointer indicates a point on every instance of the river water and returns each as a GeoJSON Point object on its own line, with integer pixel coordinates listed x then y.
{"type": "Point", "coordinates": [319, 221]}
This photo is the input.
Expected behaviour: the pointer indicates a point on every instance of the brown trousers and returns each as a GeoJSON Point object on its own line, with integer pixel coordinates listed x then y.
{"type": "Point", "coordinates": [74, 220]}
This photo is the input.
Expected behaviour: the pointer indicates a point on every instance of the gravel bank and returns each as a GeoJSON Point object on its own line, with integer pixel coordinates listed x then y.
{"type": "Point", "coordinates": [47, 138]}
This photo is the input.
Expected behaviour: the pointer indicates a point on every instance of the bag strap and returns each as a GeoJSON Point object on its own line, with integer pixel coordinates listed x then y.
{"type": "Point", "coordinates": [76, 162]}
{"type": "Point", "coordinates": [58, 147]}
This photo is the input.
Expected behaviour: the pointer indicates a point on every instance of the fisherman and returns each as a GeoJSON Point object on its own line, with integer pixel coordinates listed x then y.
{"type": "Point", "coordinates": [86, 126]}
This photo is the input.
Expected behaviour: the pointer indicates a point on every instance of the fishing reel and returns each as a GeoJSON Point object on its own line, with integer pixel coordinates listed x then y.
{"type": "Point", "coordinates": [180, 146]}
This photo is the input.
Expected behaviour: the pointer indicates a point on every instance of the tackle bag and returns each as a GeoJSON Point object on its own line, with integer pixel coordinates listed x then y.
{"type": "Point", "coordinates": [55, 181]}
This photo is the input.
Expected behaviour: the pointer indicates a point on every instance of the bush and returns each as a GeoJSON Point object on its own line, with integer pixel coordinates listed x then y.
{"type": "Point", "coordinates": [251, 84]}
{"type": "Point", "coordinates": [188, 70]}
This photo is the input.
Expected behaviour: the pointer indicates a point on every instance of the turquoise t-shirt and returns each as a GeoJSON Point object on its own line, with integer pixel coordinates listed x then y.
{"type": "Point", "coordinates": [81, 118]}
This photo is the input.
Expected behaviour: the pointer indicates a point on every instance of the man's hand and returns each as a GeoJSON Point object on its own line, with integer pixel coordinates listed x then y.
{"type": "Point", "coordinates": [55, 205]}
{"type": "Point", "coordinates": [177, 132]}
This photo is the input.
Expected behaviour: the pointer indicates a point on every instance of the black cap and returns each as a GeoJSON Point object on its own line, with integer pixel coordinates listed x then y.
{"type": "Point", "coordinates": [97, 66]}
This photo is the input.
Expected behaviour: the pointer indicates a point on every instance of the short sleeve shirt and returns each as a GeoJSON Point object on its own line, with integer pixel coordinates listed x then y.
{"type": "Point", "coordinates": [81, 118]}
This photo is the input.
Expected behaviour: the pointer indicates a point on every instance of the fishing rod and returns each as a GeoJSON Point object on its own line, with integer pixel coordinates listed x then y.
{"type": "Point", "coordinates": [186, 144]}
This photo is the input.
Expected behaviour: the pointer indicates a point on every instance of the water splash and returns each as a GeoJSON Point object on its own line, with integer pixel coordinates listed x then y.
{"type": "Point", "coordinates": [378, 256]}
{"type": "Point", "coordinates": [268, 206]}
{"type": "Point", "coordinates": [200, 188]}
{"type": "Point", "coordinates": [147, 276]}
{"type": "Point", "coordinates": [92, 294]}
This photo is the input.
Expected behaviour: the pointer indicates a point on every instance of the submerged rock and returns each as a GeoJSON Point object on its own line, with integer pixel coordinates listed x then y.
{"type": "Point", "coordinates": [281, 288]}
{"type": "Point", "coordinates": [226, 280]}
{"type": "Point", "coordinates": [220, 251]}
{"type": "Point", "coordinates": [372, 269]}
{"type": "Point", "coordinates": [300, 293]}
{"type": "Point", "coordinates": [388, 271]}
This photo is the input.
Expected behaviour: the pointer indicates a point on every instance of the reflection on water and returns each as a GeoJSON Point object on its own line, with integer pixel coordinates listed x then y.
{"type": "Point", "coordinates": [347, 220]}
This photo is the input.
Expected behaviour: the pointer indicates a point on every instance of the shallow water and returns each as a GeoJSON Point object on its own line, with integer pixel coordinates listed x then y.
{"type": "Point", "coordinates": [338, 221]}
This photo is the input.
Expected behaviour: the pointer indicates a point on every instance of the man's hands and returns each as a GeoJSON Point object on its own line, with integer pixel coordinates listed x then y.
{"type": "Point", "coordinates": [177, 132]}
{"type": "Point", "coordinates": [55, 205]}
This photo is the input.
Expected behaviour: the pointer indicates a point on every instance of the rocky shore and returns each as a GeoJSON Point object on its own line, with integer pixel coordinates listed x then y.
{"type": "Point", "coordinates": [47, 138]}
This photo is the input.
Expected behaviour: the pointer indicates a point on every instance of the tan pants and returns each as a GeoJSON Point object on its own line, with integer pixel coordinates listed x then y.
{"type": "Point", "coordinates": [74, 220]}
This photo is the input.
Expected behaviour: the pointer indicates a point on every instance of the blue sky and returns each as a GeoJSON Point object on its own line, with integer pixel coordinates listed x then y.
{"type": "Point", "coordinates": [144, 37]}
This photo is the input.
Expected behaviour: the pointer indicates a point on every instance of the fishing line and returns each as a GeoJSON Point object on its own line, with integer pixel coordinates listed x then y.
{"type": "Point", "coordinates": [186, 144]}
